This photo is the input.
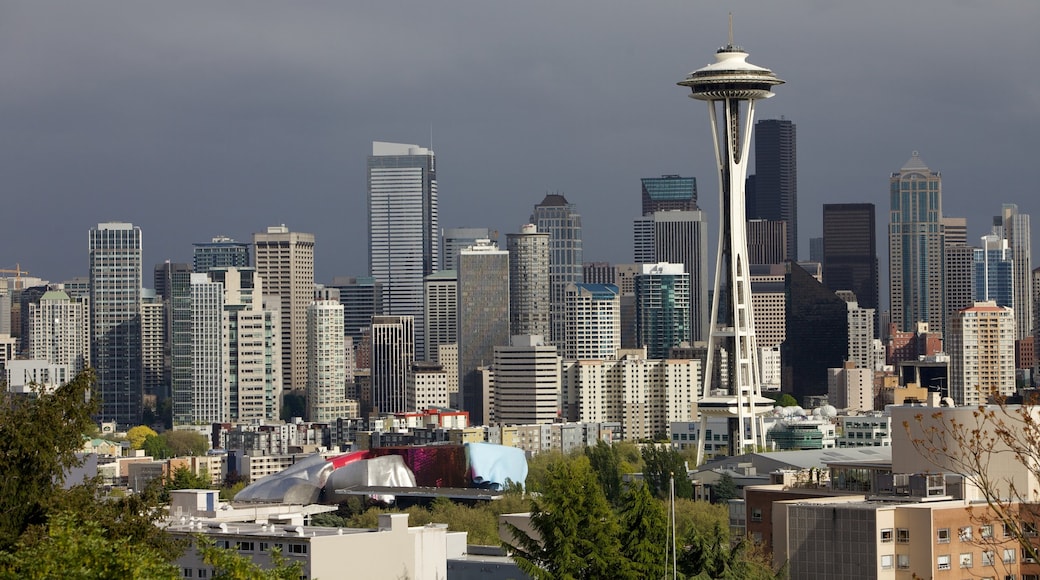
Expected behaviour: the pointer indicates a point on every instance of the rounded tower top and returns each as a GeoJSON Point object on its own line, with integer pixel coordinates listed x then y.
{"type": "Point", "coordinates": [731, 76]}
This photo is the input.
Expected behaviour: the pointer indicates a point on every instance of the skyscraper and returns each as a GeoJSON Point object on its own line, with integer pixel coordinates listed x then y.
{"type": "Point", "coordinates": [669, 193]}
{"type": "Point", "coordinates": [222, 252]}
{"type": "Point", "coordinates": [527, 382]}
{"type": "Point", "coordinates": [736, 85]}
{"type": "Point", "coordinates": [593, 322]}
{"type": "Point", "coordinates": [994, 272]}
{"type": "Point", "coordinates": [393, 352]}
{"type": "Point", "coordinates": [850, 259]}
{"type": "Point", "coordinates": [529, 288]}
{"type": "Point", "coordinates": [679, 237]}
{"type": "Point", "coordinates": [442, 303]}
{"type": "Point", "coordinates": [403, 228]}
{"type": "Point", "coordinates": [817, 334]}
{"type": "Point", "coordinates": [285, 262]}
{"type": "Point", "coordinates": [767, 241]}
{"type": "Point", "coordinates": [662, 308]}
{"type": "Point", "coordinates": [115, 310]}
{"type": "Point", "coordinates": [173, 286]}
{"type": "Point", "coordinates": [1014, 227]}
{"type": "Point", "coordinates": [454, 240]}
{"type": "Point", "coordinates": [982, 353]}
{"type": "Point", "coordinates": [915, 247]}
{"type": "Point", "coordinates": [561, 220]}
{"type": "Point", "coordinates": [206, 399]}
{"type": "Point", "coordinates": [362, 298]}
{"type": "Point", "coordinates": [59, 331]}
{"type": "Point", "coordinates": [326, 363]}
{"type": "Point", "coordinates": [776, 177]}
{"type": "Point", "coordinates": [483, 316]}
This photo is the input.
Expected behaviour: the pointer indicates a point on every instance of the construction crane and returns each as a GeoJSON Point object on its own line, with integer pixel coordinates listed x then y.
{"type": "Point", "coordinates": [17, 271]}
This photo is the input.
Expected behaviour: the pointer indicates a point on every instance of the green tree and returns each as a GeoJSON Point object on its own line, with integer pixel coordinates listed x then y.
{"type": "Point", "coordinates": [660, 464]}
{"type": "Point", "coordinates": [724, 489]}
{"type": "Point", "coordinates": [184, 478]}
{"type": "Point", "coordinates": [709, 556]}
{"type": "Point", "coordinates": [786, 400]}
{"type": "Point", "coordinates": [606, 462]}
{"type": "Point", "coordinates": [577, 534]}
{"type": "Point", "coordinates": [137, 435]}
{"type": "Point", "coordinates": [39, 437]}
{"type": "Point", "coordinates": [157, 447]}
{"type": "Point", "coordinates": [644, 526]}
{"type": "Point", "coordinates": [229, 565]}
{"type": "Point", "coordinates": [184, 442]}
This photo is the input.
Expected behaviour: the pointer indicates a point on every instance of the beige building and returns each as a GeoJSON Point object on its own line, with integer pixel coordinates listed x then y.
{"type": "Point", "coordinates": [644, 395]}
{"type": "Point", "coordinates": [851, 388]}
{"type": "Point", "coordinates": [981, 344]}
{"type": "Point", "coordinates": [285, 262]}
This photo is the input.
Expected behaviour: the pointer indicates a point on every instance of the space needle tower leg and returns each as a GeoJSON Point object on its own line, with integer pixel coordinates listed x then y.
{"type": "Point", "coordinates": [731, 86]}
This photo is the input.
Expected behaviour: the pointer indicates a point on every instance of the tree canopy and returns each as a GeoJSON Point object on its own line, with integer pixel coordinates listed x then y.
{"type": "Point", "coordinates": [660, 464]}
{"type": "Point", "coordinates": [137, 435]}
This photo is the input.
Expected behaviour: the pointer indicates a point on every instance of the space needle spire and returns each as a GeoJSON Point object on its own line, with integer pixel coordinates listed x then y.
{"type": "Point", "coordinates": [731, 86]}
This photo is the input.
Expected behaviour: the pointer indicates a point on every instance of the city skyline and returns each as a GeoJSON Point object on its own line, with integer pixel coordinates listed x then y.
{"type": "Point", "coordinates": [154, 134]}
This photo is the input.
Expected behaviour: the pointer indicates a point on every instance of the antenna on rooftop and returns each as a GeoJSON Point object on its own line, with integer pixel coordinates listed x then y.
{"type": "Point", "coordinates": [731, 29]}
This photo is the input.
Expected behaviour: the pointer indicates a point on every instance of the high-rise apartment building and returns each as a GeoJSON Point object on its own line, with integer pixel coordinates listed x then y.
{"type": "Point", "coordinates": [863, 349]}
{"type": "Point", "coordinates": [205, 400]}
{"type": "Point", "coordinates": [669, 193]}
{"type": "Point", "coordinates": [153, 349]}
{"type": "Point", "coordinates": [775, 190]}
{"type": "Point", "coordinates": [662, 308]}
{"type": "Point", "coordinates": [593, 322]}
{"type": "Point", "coordinates": [454, 240]}
{"type": "Point", "coordinates": [222, 252]}
{"type": "Point", "coordinates": [115, 320]}
{"type": "Point", "coordinates": [679, 237]}
{"type": "Point", "coordinates": [392, 354]}
{"type": "Point", "coordinates": [526, 382]}
{"type": "Point", "coordinates": [59, 331]}
{"type": "Point", "coordinates": [981, 345]}
{"type": "Point", "coordinates": [442, 304]}
{"type": "Point", "coordinates": [285, 263]}
{"type": "Point", "coordinates": [994, 274]}
{"type": "Point", "coordinates": [1014, 227]}
{"type": "Point", "coordinates": [561, 220]}
{"type": "Point", "coordinates": [402, 228]}
{"type": "Point", "coordinates": [252, 347]}
{"type": "Point", "coordinates": [483, 317]}
{"type": "Point", "coordinates": [915, 246]}
{"type": "Point", "coordinates": [850, 260]}
{"type": "Point", "coordinates": [326, 364]}
{"type": "Point", "coordinates": [529, 288]}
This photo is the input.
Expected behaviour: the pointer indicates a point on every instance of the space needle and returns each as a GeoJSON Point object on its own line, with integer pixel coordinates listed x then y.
{"type": "Point", "coordinates": [735, 84]}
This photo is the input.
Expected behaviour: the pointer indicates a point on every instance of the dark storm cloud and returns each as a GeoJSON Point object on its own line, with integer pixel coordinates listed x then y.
{"type": "Point", "coordinates": [198, 118]}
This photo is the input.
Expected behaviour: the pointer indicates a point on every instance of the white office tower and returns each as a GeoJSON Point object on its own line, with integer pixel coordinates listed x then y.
{"type": "Point", "coordinates": [861, 336]}
{"type": "Point", "coordinates": [448, 358]}
{"type": "Point", "coordinates": [529, 288]}
{"type": "Point", "coordinates": [285, 262]}
{"type": "Point", "coordinates": [593, 322]}
{"type": "Point", "coordinates": [326, 364]}
{"type": "Point", "coordinates": [115, 321]}
{"type": "Point", "coordinates": [441, 298]}
{"type": "Point", "coordinates": [735, 85]}
{"type": "Point", "coordinates": [1014, 227]}
{"type": "Point", "coordinates": [402, 228]}
{"type": "Point", "coordinates": [207, 401]}
{"type": "Point", "coordinates": [850, 388]}
{"type": "Point", "coordinates": [561, 220]}
{"type": "Point", "coordinates": [981, 345]}
{"type": "Point", "coordinates": [392, 354]}
{"type": "Point", "coordinates": [152, 348]}
{"type": "Point", "coordinates": [526, 382]}
{"type": "Point", "coordinates": [644, 395]}
{"type": "Point", "coordinates": [59, 330]}
{"type": "Point", "coordinates": [770, 364]}
{"type": "Point", "coordinates": [252, 348]}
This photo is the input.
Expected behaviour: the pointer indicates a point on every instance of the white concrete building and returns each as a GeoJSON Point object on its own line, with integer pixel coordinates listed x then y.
{"type": "Point", "coordinates": [644, 395]}
{"type": "Point", "coordinates": [870, 430]}
{"type": "Point", "coordinates": [526, 377]}
{"type": "Point", "coordinates": [440, 294]}
{"type": "Point", "coordinates": [209, 399]}
{"type": "Point", "coordinates": [861, 336]}
{"type": "Point", "coordinates": [593, 314]}
{"type": "Point", "coordinates": [326, 364]}
{"type": "Point", "coordinates": [20, 375]}
{"type": "Point", "coordinates": [769, 304]}
{"type": "Point", "coordinates": [770, 365]}
{"type": "Point", "coordinates": [427, 387]}
{"type": "Point", "coordinates": [59, 330]}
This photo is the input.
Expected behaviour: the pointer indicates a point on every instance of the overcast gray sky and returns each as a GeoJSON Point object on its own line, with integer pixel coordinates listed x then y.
{"type": "Point", "coordinates": [193, 119]}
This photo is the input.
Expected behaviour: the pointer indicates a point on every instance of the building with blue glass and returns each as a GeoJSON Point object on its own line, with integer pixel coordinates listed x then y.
{"type": "Point", "coordinates": [994, 274]}
{"type": "Point", "coordinates": [662, 308]}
